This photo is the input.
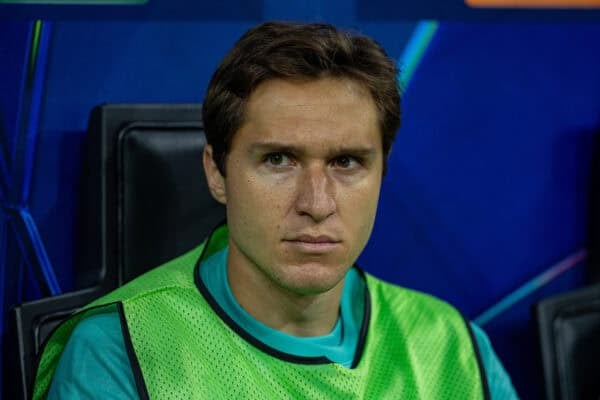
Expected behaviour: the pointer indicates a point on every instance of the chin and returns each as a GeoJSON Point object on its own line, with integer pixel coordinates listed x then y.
{"type": "Point", "coordinates": [314, 280]}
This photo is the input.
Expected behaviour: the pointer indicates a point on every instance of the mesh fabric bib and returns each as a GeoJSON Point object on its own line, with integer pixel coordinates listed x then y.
{"type": "Point", "coordinates": [413, 347]}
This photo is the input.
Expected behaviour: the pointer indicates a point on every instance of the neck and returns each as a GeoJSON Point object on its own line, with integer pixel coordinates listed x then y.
{"type": "Point", "coordinates": [285, 310]}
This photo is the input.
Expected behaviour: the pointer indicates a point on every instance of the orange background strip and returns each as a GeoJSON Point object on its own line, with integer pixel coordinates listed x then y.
{"type": "Point", "coordinates": [534, 3]}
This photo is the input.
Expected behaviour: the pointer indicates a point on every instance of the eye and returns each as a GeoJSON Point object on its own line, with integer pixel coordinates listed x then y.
{"type": "Point", "coordinates": [277, 159]}
{"type": "Point", "coordinates": [345, 162]}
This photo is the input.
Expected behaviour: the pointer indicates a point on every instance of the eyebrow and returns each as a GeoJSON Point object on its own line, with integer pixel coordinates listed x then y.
{"type": "Point", "coordinates": [278, 147]}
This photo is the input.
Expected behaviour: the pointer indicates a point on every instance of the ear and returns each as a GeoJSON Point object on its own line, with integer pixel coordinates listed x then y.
{"type": "Point", "coordinates": [216, 181]}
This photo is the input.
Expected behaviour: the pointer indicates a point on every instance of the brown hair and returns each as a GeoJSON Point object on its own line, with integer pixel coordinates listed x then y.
{"type": "Point", "coordinates": [297, 51]}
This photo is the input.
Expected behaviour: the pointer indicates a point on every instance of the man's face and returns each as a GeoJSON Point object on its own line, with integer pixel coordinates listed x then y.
{"type": "Point", "coordinates": [303, 178]}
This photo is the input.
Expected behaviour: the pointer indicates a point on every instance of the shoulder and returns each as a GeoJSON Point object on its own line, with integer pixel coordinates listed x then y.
{"type": "Point", "coordinates": [500, 384]}
{"type": "Point", "coordinates": [95, 336]}
{"type": "Point", "coordinates": [177, 272]}
{"type": "Point", "coordinates": [100, 327]}
{"type": "Point", "coordinates": [394, 297]}
{"type": "Point", "coordinates": [410, 313]}
{"type": "Point", "coordinates": [81, 334]}
{"type": "Point", "coordinates": [94, 362]}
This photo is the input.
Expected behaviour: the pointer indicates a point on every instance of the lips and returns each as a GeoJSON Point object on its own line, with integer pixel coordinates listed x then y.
{"type": "Point", "coordinates": [314, 239]}
{"type": "Point", "coordinates": [314, 244]}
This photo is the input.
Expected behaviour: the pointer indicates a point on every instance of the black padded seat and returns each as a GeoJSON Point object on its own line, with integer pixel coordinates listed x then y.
{"type": "Point", "coordinates": [569, 328]}
{"type": "Point", "coordinates": [144, 201]}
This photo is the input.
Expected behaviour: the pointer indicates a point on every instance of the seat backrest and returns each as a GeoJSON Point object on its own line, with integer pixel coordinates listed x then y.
{"type": "Point", "coordinates": [144, 201]}
{"type": "Point", "coordinates": [145, 195]}
{"type": "Point", "coordinates": [29, 325]}
{"type": "Point", "coordinates": [569, 330]}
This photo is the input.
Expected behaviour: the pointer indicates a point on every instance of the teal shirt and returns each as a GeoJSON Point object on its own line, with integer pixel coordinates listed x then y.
{"type": "Point", "coordinates": [338, 345]}
{"type": "Point", "coordinates": [95, 365]}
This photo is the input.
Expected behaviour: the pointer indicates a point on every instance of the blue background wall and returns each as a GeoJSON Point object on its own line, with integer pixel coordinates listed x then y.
{"type": "Point", "coordinates": [488, 184]}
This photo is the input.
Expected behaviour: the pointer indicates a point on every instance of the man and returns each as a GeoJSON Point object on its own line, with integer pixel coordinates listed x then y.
{"type": "Point", "coordinates": [299, 122]}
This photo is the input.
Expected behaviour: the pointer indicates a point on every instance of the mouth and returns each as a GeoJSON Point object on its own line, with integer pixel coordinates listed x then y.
{"type": "Point", "coordinates": [313, 244]}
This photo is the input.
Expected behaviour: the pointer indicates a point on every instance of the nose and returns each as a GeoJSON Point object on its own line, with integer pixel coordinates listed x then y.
{"type": "Point", "coordinates": [316, 194]}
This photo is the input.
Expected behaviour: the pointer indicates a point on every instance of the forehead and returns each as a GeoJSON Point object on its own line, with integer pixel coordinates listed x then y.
{"type": "Point", "coordinates": [326, 111]}
{"type": "Point", "coordinates": [331, 92]}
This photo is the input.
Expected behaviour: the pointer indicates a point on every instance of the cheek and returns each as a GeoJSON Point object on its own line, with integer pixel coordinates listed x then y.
{"type": "Point", "coordinates": [364, 208]}
{"type": "Point", "coordinates": [362, 198]}
{"type": "Point", "coordinates": [255, 201]}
